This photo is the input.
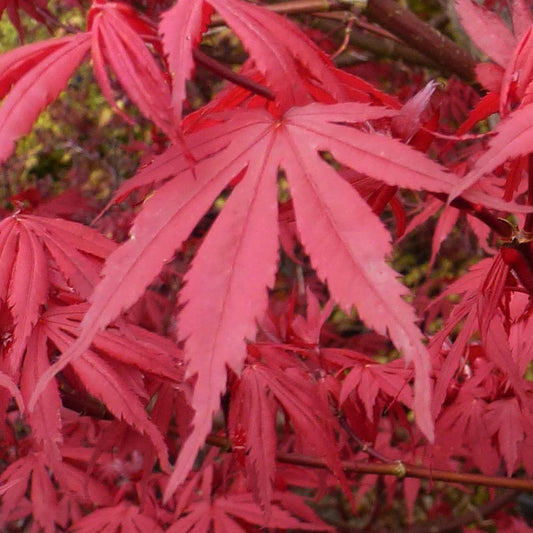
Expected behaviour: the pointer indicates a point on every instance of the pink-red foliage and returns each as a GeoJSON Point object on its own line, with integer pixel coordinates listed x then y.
{"type": "Point", "coordinates": [266, 216]}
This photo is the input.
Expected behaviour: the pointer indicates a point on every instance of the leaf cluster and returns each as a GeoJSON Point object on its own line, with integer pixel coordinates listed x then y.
{"type": "Point", "coordinates": [226, 340]}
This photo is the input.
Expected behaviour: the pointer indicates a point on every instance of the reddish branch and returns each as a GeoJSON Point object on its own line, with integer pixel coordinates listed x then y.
{"type": "Point", "coordinates": [422, 37]}
{"type": "Point", "coordinates": [224, 72]}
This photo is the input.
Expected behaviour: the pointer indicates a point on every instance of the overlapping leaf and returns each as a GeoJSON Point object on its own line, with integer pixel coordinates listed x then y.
{"type": "Point", "coordinates": [487, 31]}
{"type": "Point", "coordinates": [281, 60]}
{"type": "Point", "coordinates": [34, 250]}
{"type": "Point", "coordinates": [513, 138]}
{"type": "Point", "coordinates": [123, 517]}
{"type": "Point", "coordinates": [15, 481]}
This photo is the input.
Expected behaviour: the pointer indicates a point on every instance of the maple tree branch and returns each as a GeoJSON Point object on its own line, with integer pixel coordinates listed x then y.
{"type": "Point", "coordinates": [81, 403]}
{"type": "Point", "coordinates": [396, 468]}
{"type": "Point", "coordinates": [422, 36]}
{"type": "Point", "coordinates": [498, 225]}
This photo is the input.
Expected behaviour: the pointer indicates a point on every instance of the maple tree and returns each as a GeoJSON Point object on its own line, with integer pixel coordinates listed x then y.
{"type": "Point", "coordinates": [230, 338]}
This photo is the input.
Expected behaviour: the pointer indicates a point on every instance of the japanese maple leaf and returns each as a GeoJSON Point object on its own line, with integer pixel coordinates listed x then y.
{"type": "Point", "coordinates": [45, 419]}
{"type": "Point", "coordinates": [466, 418]}
{"type": "Point", "coordinates": [513, 138]}
{"type": "Point", "coordinates": [505, 418]}
{"type": "Point", "coordinates": [14, 483]}
{"type": "Point", "coordinates": [39, 253]}
{"type": "Point", "coordinates": [118, 33]}
{"type": "Point", "coordinates": [225, 289]}
{"type": "Point", "coordinates": [367, 380]}
{"type": "Point", "coordinates": [111, 370]}
{"type": "Point", "coordinates": [482, 290]}
{"type": "Point", "coordinates": [32, 76]}
{"type": "Point", "coordinates": [252, 431]}
{"type": "Point", "coordinates": [270, 386]}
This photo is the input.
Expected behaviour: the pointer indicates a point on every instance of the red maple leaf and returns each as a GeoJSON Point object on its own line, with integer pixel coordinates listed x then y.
{"type": "Point", "coordinates": [346, 241]}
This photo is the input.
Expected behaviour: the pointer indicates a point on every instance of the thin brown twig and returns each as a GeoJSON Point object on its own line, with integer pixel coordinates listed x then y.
{"type": "Point", "coordinates": [498, 225]}
{"type": "Point", "coordinates": [397, 469]}
{"type": "Point", "coordinates": [399, 21]}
